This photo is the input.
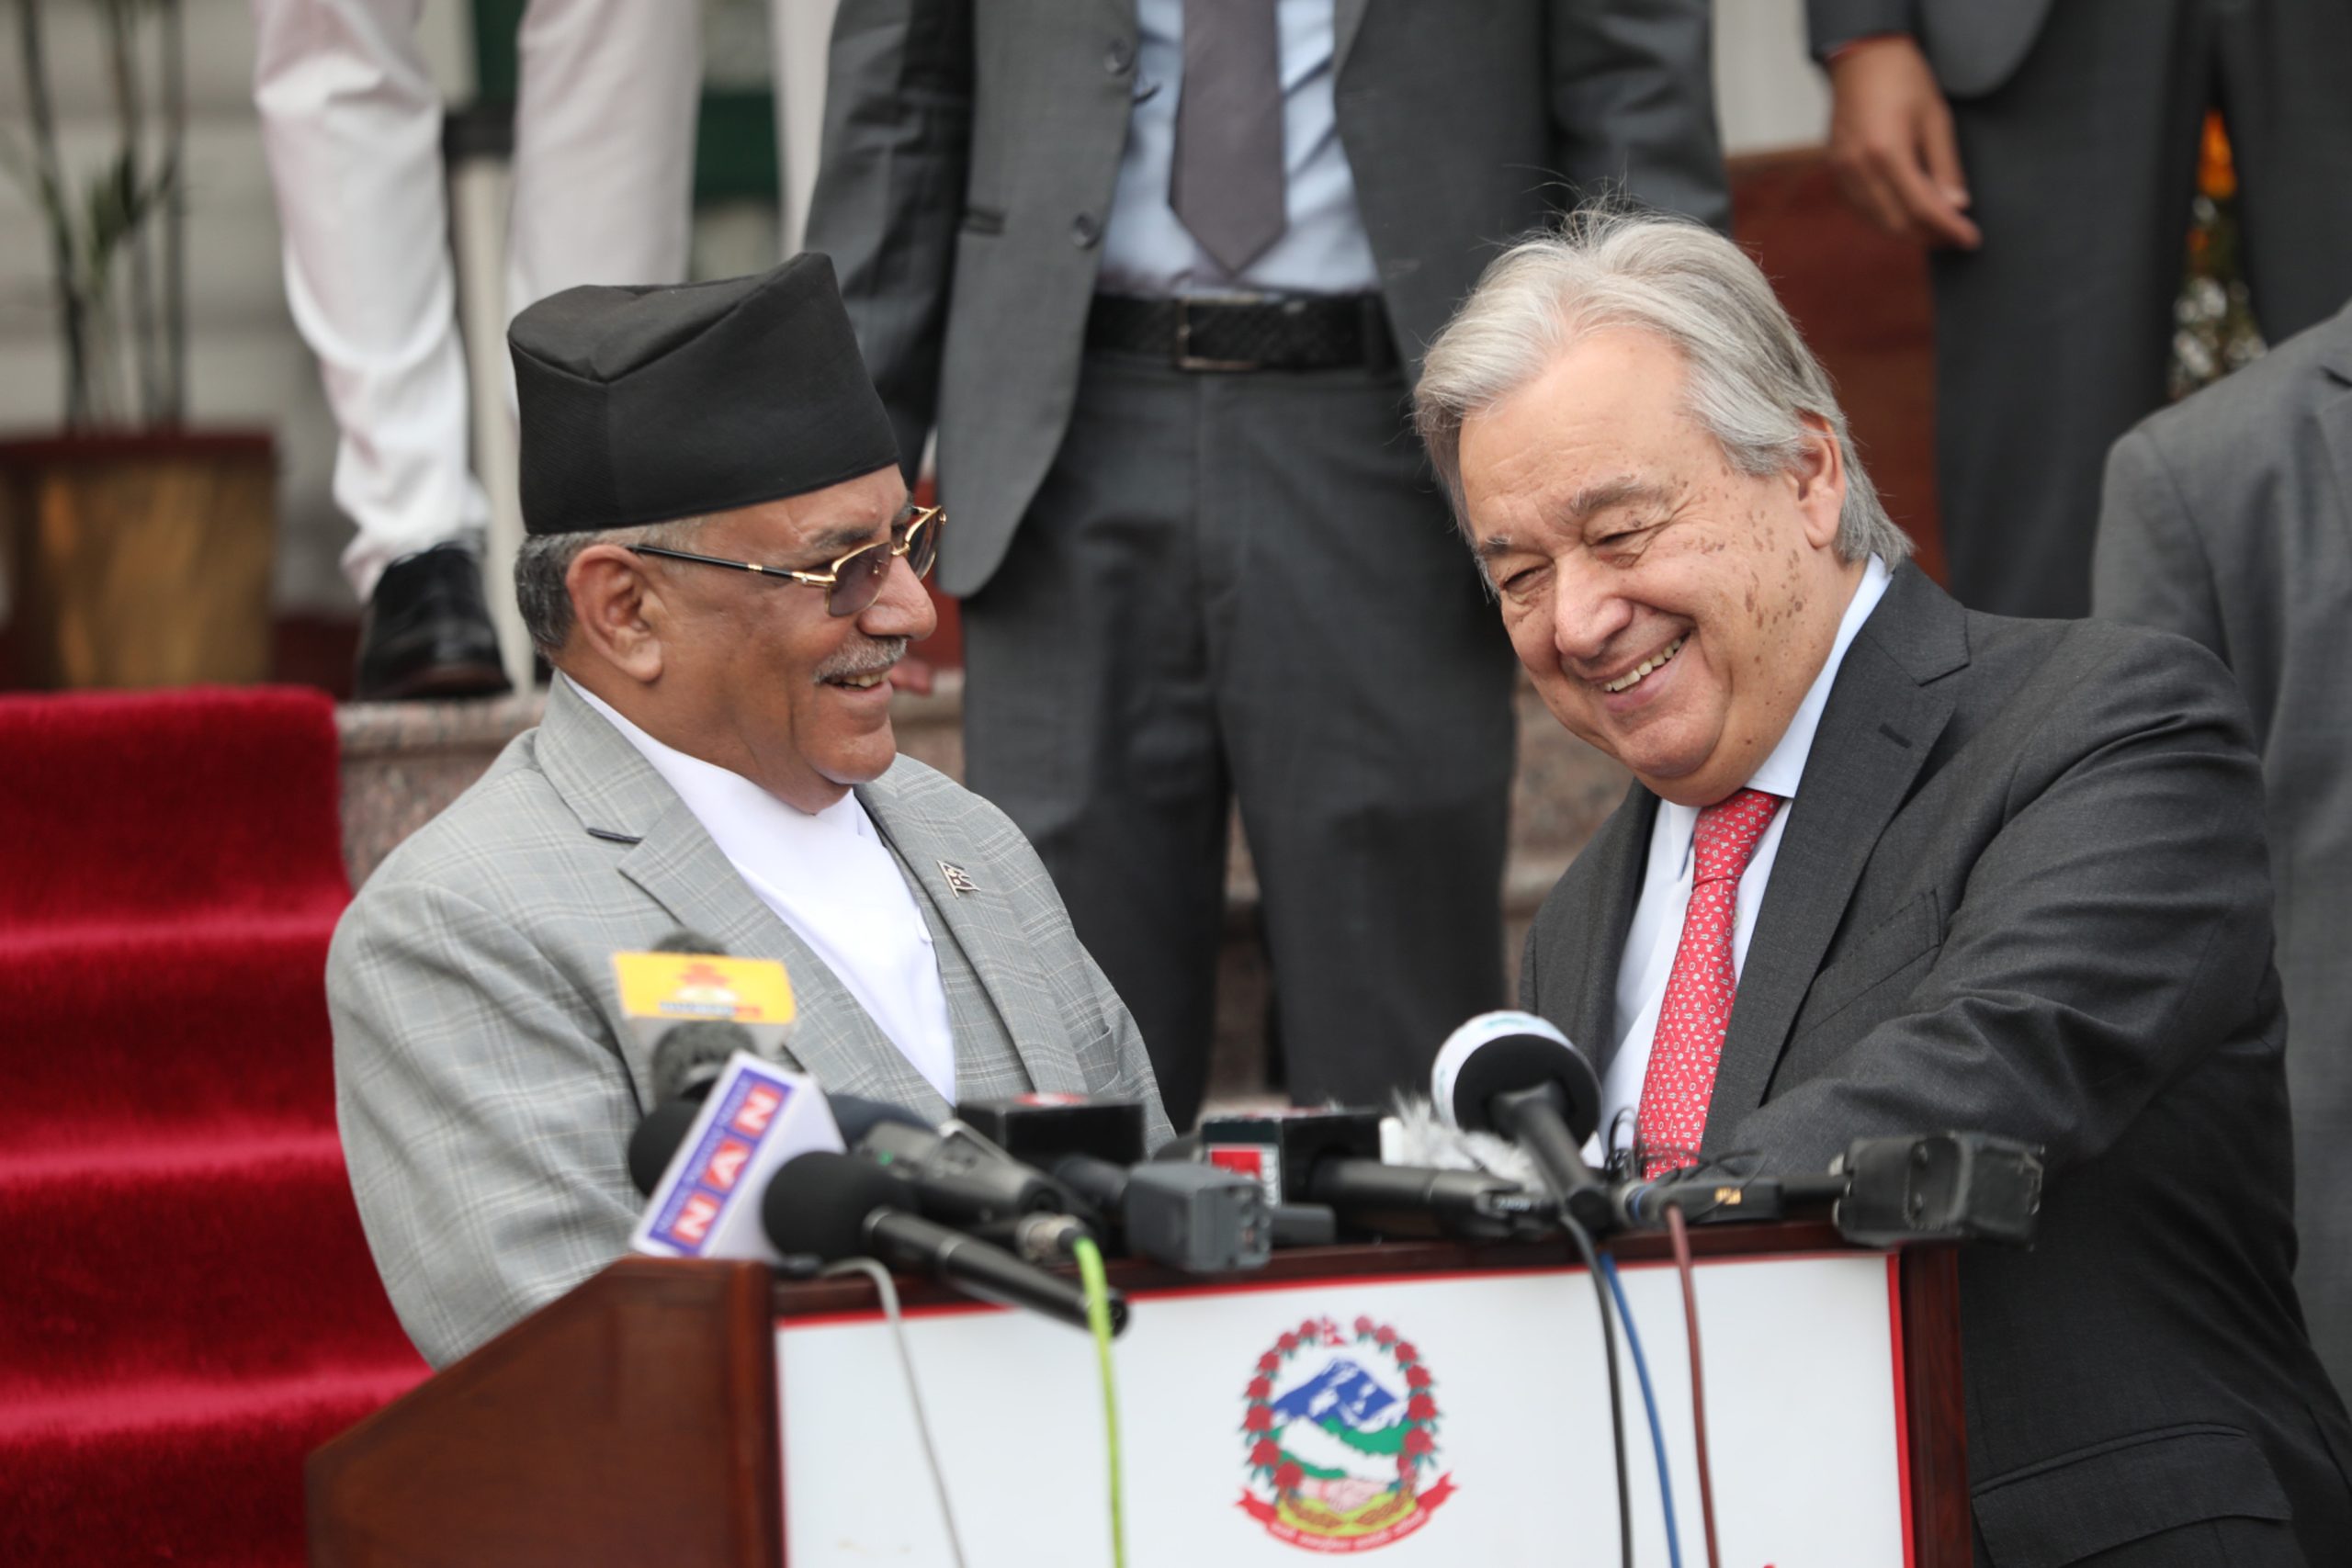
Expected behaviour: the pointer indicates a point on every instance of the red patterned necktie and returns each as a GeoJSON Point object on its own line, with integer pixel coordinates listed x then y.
{"type": "Point", "coordinates": [1680, 1078]}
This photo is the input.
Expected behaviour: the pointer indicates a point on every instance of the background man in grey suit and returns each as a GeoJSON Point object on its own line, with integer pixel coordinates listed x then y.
{"type": "Point", "coordinates": [1160, 271]}
{"type": "Point", "coordinates": [2228, 518]}
{"type": "Point", "coordinates": [720, 567]}
{"type": "Point", "coordinates": [2048, 150]}
{"type": "Point", "coordinates": [1893, 867]}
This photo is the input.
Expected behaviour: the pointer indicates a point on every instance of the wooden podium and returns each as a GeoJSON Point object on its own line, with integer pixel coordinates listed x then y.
{"type": "Point", "coordinates": [694, 1413]}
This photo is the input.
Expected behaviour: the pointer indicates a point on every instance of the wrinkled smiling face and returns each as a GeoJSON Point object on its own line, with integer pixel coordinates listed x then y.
{"type": "Point", "coordinates": [757, 677]}
{"type": "Point", "coordinates": [1670, 609]}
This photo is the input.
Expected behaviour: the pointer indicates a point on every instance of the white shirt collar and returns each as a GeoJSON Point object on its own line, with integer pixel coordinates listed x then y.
{"type": "Point", "coordinates": [752, 828]}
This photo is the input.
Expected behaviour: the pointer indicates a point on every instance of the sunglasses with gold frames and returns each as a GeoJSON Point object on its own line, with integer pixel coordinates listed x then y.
{"type": "Point", "coordinates": [855, 581]}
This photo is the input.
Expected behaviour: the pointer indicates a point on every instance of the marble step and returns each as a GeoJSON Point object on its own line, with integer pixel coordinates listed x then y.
{"type": "Point", "coordinates": [402, 763]}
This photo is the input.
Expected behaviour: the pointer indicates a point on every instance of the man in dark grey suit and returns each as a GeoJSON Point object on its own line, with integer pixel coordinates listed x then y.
{"type": "Point", "coordinates": [1890, 867]}
{"type": "Point", "coordinates": [1159, 271]}
{"type": "Point", "coordinates": [2228, 518]}
{"type": "Point", "coordinates": [2047, 150]}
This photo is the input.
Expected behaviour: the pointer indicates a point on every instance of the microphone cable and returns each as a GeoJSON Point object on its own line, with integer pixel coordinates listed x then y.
{"type": "Point", "coordinates": [1583, 1239]}
{"type": "Point", "coordinates": [1098, 1318]}
{"type": "Point", "coordinates": [1649, 1404]}
{"type": "Point", "coordinates": [888, 1291]}
{"type": "Point", "coordinates": [1681, 1231]}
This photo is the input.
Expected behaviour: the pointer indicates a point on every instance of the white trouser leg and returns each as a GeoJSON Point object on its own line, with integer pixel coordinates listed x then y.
{"type": "Point", "coordinates": [604, 145]}
{"type": "Point", "coordinates": [351, 124]}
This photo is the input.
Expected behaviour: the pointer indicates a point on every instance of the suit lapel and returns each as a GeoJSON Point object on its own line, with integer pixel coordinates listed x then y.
{"type": "Point", "coordinates": [1883, 715]}
{"type": "Point", "coordinates": [1611, 868]}
{"type": "Point", "coordinates": [979, 920]}
{"type": "Point", "coordinates": [618, 795]}
{"type": "Point", "coordinates": [1347, 17]}
{"type": "Point", "coordinates": [2334, 416]}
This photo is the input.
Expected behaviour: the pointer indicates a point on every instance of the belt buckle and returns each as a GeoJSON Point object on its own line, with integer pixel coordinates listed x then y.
{"type": "Point", "coordinates": [1185, 358]}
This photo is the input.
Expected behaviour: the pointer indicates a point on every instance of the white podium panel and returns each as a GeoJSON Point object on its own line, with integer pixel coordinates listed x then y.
{"type": "Point", "coordinates": [1437, 1419]}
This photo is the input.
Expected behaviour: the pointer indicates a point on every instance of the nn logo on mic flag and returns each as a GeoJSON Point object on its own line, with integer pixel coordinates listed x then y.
{"type": "Point", "coordinates": [708, 1205]}
{"type": "Point", "coordinates": [1340, 1427]}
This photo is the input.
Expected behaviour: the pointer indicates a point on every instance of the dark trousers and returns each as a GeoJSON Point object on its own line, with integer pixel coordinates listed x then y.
{"type": "Point", "coordinates": [2052, 339]}
{"type": "Point", "coordinates": [1247, 586]}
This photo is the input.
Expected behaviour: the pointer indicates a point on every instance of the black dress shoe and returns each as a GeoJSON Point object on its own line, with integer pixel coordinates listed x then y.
{"type": "Point", "coordinates": [427, 631]}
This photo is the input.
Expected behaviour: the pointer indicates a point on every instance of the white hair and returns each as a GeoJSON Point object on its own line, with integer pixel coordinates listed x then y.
{"type": "Point", "coordinates": [1749, 376]}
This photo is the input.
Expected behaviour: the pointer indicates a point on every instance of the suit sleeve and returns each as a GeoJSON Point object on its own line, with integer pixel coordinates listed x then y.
{"type": "Point", "coordinates": [2151, 567]}
{"type": "Point", "coordinates": [889, 195]}
{"type": "Point", "coordinates": [483, 1115]}
{"type": "Point", "coordinates": [2113, 932]}
{"type": "Point", "coordinates": [1832, 24]}
{"type": "Point", "coordinates": [1633, 104]}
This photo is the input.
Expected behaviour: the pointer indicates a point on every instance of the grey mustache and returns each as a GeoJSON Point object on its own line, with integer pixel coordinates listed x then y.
{"type": "Point", "coordinates": [872, 658]}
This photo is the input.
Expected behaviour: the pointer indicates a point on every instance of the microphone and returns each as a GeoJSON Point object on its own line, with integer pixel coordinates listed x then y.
{"type": "Point", "coordinates": [1513, 1073]}
{"type": "Point", "coordinates": [958, 1178]}
{"type": "Point", "coordinates": [1883, 1192]}
{"type": "Point", "coordinates": [1331, 1158]}
{"type": "Point", "coordinates": [1192, 1217]}
{"type": "Point", "coordinates": [836, 1206]}
{"type": "Point", "coordinates": [689, 1058]}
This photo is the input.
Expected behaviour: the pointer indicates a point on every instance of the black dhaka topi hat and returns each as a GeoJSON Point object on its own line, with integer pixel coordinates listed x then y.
{"type": "Point", "coordinates": [645, 404]}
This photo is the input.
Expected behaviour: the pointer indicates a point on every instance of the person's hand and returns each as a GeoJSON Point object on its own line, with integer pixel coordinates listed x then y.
{"type": "Point", "coordinates": [912, 674]}
{"type": "Point", "coordinates": [1891, 144]}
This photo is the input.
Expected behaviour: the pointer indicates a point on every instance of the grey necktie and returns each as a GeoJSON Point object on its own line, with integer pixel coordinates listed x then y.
{"type": "Point", "coordinates": [1226, 183]}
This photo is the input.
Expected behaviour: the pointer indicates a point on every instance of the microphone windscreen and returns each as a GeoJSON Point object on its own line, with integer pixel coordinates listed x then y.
{"type": "Point", "coordinates": [1496, 1053]}
{"type": "Point", "coordinates": [1421, 1137]}
{"type": "Point", "coordinates": [655, 1141]}
{"type": "Point", "coordinates": [688, 941]}
{"type": "Point", "coordinates": [856, 1115]}
{"type": "Point", "coordinates": [818, 1202]}
{"type": "Point", "coordinates": [689, 1055]}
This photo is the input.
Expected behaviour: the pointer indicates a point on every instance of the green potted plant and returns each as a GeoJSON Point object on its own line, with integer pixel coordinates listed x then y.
{"type": "Point", "coordinates": [140, 550]}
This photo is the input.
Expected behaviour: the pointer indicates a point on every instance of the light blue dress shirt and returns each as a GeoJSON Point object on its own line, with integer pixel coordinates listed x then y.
{"type": "Point", "coordinates": [1148, 251]}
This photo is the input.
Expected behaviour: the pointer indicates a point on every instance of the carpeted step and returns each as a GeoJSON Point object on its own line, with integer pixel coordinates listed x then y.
{"type": "Point", "coordinates": [229, 1257]}
{"type": "Point", "coordinates": [164, 1028]}
{"type": "Point", "coordinates": [162, 802]}
{"type": "Point", "coordinates": [182, 1472]}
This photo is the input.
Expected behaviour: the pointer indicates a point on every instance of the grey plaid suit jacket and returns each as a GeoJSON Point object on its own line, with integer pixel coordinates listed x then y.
{"type": "Point", "coordinates": [485, 1083]}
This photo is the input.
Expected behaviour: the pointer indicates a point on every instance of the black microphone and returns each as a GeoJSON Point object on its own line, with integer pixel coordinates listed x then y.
{"type": "Point", "coordinates": [835, 1206]}
{"type": "Point", "coordinates": [1410, 1200]}
{"type": "Point", "coordinates": [1514, 1073]}
{"type": "Point", "coordinates": [1192, 1217]}
{"type": "Point", "coordinates": [959, 1179]}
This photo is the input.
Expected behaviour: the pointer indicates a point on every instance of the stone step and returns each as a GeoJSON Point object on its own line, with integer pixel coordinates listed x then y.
{"type": "Point", "coordinates": [404, 762]}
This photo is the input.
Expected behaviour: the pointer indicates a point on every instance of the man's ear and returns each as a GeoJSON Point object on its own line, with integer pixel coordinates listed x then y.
{"type": "Point", "coordinates": [1820, 478]}
{"type": "Point", "coordinates": [616, 611]}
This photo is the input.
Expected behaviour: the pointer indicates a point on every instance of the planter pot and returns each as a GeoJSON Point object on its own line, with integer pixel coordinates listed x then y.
{"type": "Point", "coordinates": [141, 558]}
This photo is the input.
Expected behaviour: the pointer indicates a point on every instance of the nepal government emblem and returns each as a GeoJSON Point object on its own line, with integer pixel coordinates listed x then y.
{"type": "Point", "coordinates": [1340, 1432]}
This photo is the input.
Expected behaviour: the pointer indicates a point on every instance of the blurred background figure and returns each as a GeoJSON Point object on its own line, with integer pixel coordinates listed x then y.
{"type": "Point", "coordinates": [352, 127]}
{"type": "Point", "coordinates": [1159, 274]}
{"type": "Point", "coordinates": [2047, 153]}
{"type": "Point", "coordinates": [2228, 519]}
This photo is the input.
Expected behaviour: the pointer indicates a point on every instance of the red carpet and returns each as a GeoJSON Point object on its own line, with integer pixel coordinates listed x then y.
{"type": "Point", "coordinates": [189, 1305]}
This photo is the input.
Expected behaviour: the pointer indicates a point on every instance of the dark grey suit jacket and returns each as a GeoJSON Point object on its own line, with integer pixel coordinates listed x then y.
{"type": "Point", "coordinates": [971, 150]}
{"type": "Point", "coordinates": [2022, 890]}
{"type": "Point", "coordinates": [2228, 518]}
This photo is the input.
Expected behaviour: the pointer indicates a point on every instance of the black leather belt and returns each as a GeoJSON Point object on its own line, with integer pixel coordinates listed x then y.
{"type": "Point", "coordinates": [1316, 331]}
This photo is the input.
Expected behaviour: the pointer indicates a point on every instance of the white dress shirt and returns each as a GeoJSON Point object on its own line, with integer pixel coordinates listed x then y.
{"type": "Point", "coordinates": [1656, 930]}
{"type": "Point", "coordinates": [1147, 250]}
{"type": "Point", "coordinates": [831, 879]}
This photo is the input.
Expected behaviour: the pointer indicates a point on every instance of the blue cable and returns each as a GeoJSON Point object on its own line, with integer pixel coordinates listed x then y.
{"type": "Point", "coordinates": [1649, 1403]}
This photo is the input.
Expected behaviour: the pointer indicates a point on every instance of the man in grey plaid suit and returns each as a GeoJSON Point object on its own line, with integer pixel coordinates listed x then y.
{"type": "Point", "coordinates": [718, 526]}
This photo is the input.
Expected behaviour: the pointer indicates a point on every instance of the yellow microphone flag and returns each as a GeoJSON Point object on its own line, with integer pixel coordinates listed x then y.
{"type": "Point", "coordinates": [660, 989]}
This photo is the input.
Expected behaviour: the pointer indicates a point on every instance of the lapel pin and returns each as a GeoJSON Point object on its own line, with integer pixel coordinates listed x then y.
{"type": "Point", "coordinates": [959, 881]}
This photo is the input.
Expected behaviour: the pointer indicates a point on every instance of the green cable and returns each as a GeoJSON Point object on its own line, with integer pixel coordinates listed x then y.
{"type": "Point", "coordinates": [1098, 1318]}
